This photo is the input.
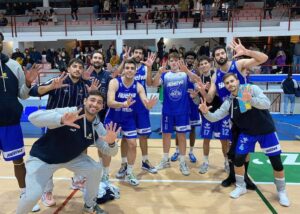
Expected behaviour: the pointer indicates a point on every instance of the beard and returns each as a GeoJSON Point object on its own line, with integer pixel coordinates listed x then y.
{"type": "Point", "coordinates": [222, 61]}
{"type": "Point", "coordinates": [137, 60]}
{"type": "Point", "coordinates": [97, 65]}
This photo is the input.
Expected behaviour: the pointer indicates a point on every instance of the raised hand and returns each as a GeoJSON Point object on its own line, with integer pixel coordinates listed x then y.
{"type": "Point", "coordinates": [32, 73]}
{"type": "Point", "coordinates": [203, 107]}
{"type": "Point", "coordinates": [151, 102]}
{"type": "Point", "coordinates": [246, 94]}
{"type": "Point", "coordinates": [126, 55]}
{"type": "Point", "coordinates": [163, 68]}
{"type": "Point", "coordinates": [95, 85]}
{"type": "Point", "coordinates": [193, 93]}
{"type": "Point", "coordinates": [69, 118]}
{"type": "Point", "coordinates": [182, 66]}
{"type": "Point", "coordinates": [58, 81]}
{"type": "Point", "coordinates": [239, 49]}
{"type": "Point", "coordinates": [128, 102]}
{"type": "Point", "coordinates": [111, 133]}
{"type": "Point", "coordinates": [86, 75]}
{"type": "Point", "coordinates": [150, 60]}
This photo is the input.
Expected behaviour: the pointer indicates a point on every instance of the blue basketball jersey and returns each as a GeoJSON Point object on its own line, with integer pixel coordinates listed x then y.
{"type": "Point", "coordinates": [176, 97]}
{"type": "Point", "coordinates": [121, 114]}
{"type": "Point", "coordinates": [221, 90]}
{"type": "Point", "coordinates": [141, 76]}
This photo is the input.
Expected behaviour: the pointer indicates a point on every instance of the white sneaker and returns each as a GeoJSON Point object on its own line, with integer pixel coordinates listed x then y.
{"type": "Point", "coordinates": [283, 199]}
{"type": "Point", "coordinates": [238, 191]}
{"type": "Point", "coordinates": [105, 179]}
{"type": "Point", "coordinates": [226, 167]}
{"type": "Point", "coordinates": [203, 168]}
{"type": "Point", "coordinates": [184, 168]}
{"type": "Point", "coordinates": [163, 164]}
{"type": "Point", "coordinates": [78, 182]}
{"type": "Point", "coordinates": [131, 179]}
{"type": "Point", "coordinates": [36, 208]}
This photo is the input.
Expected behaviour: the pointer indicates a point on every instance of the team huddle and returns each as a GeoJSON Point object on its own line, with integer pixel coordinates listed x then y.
{"type": "Point", "coordinates": [93, 107]}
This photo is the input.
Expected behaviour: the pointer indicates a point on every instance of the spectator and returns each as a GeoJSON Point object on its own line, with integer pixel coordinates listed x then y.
{"type": "Point", "coordinates": [18, 56]}
{"type": "Point", "coordinates": [160, 48]}
{"type": "Point", "coordinates": [157, 17]}
{"type": "Point", "coordinates": [197, 13]}
{"type": "Point", "coordinates": [156, 65]}
{"type": "Point", "coordinates": [173, 49]}
{"type": "Point", "coordinates": [28, 62]}
{"type": "Point", "coordinates": [280, 62]}
{"type": "Point", "coordinates": [204, 50]}
{"type": "Point", "coordinates": [207, 8]}
{"type": "Point", "coordinates": [96, 7]}
{"type": "Point", "coordinates": [3, 20]}
{"type": "Point", "coordinates": [173, 17]}
{"type": "Point", "coordinates": [52, 16]}
{"type": "Point", "coordinates": [131, 17]}
{"type": "Point", "coordinates": [111, 51]}
{"type": "Point", "coordinates": [50, 57]}
{"type": "Point", "coordinates": [296, 57]}
{"type": "Point", "coordinates": [183, 7]}
{"type": "Point", "coordinates": [82, 57]}
{"type": "Point", "coordinates": [74, 9]}
{"type": "Point", "coordinates": [45, 17]}
{"type": "Point", "coordinates": [289, 86]}
{"type": "Point", "coordinates": [268, 6]}
{"type": "Point", "coordinates": [123, 7]}
{"type": "Point", "coordinates": [106, 8]}
{"type": "Point", "coordinates": [36, 56]}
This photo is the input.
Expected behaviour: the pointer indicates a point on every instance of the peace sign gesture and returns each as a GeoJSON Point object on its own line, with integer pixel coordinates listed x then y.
{"type": "Point", "coordinates": [128, 102]}
{"type": "Point", "coordinates": [150, 60]}
{"type": "Point", "coordinates": [203, 107]}
{"type": "Point", "coordinates": [126, 55]}
{"type": "Point", "coordinates": [239, 49]}
{"type": "Point", "coordinates": [111, 133]}
{"type": "Point", "coordinates": [58, 81]}
{"type": "Point", "coordinates": [69, 118]}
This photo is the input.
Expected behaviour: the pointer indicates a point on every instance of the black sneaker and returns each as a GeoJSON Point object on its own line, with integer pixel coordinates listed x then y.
{"type": "Point", "coordinates": [94, 210]}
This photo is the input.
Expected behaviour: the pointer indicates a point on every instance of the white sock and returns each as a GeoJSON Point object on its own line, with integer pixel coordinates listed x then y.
{"type": "Point", "coordinates": [205, 158]}
{"type": "Point", "coordinates": [191, 149]}
{"type": "Point", "coordinates": [166, 156]}
{"type": "Point", "coordinates": [226, 159]}
{"type": "Point", "coordinates": [129, 169]}
{"type": "Point", "coordinates": [124, 160]}
{"type": "Point", "coordinates": [177, 149]}
{"type": "Point", "coordinates": [105, 170]}
{"type": "Point", "coordinates": [182, 158]}
{"type": "Point", "coordinates": [145, 157]}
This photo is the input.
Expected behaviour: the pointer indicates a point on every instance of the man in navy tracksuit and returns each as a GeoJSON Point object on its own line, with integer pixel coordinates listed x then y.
{"type": "Point", "coordinates": [248, 107]}
{"type": "Point", "coordinates": [13, 85]}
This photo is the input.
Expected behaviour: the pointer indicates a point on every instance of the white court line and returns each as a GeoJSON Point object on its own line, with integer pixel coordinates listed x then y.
{"type": "Point", "coordinates": [159, 181]}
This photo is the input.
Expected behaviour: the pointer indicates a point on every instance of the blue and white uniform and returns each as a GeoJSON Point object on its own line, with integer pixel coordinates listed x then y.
{"type": "Point", "coordinates": [176, 105]}
{"type": "Point", "coordinates": [124, 117]}
{"type": "Point", "coordinates": [194, 111]}
{"type": "Point", "coordinates": [142, 115]}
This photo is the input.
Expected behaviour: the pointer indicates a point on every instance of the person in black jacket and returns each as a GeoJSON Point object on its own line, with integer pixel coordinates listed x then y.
{"type": "Point", "coordinates": [289, 86]}
{"type": "Point", "coordinates": [248, 110]}
{"type": "Point", "coordinates": [13, 85]}
{"type": "Point", "coordinates": [74, 9]}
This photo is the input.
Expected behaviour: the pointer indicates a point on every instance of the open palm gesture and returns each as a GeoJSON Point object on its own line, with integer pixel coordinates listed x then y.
{"type": "Point", "coordinates": [203, 107]}
{"type": "Point", "coordinates": [69, 118]}
{"type": "Point", "coordinates": [150, 60]}
{"type": "Point", "coordinates": [151, 102]}
{"type": "Point", "coordinates": [86, 75]}
{"type": "Point", "coordinates": [95, 85]}
{"type": "Point", "coordinates": [32, 73]}
{"type": "Point", "coordinates": [182, 66]}
{"type": "Point", "coordinates": [239, 49]}
{"type": "Point", "coordinates": [111, 133]}
{"type": "Point", "coordinates": [246, 94]}
{"type": "Point", "coordinates": [163, 68]}
{"type": "Point", "coordinates": [58, 82]}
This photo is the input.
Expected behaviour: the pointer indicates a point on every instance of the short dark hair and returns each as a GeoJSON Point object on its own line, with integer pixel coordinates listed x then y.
{"type": "Point", "coordinates": [229, 75]}
{"type": "Point", "coordinates": [190, 53]}
{"type": "Point", "coordinates": [138, 48]}
{"type": "Point", "coordinates": [95, 93]}
{"type": "Point", "coordinates": [98, 52]}
{"type": "Point", "coordinates": [75, 60]}
{"type": "Point", "coordinates": [218, 48]}
{"type": "Point", "coordinates": [129, 61]}
{"type": "Point", "coordinates": [2, 36]}
{"type": "Point", "coordinates": [204, 57]}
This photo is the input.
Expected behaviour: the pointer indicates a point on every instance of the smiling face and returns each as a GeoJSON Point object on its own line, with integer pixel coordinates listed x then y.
{"type": "Point", "coordinates": [129, 70]}
{"type": "Point", "coordinates": [173, 63]}
{"type": "Point", "coordinates": [204, 66]}
{"type": "Point", "coordinates": [138, 55]}
{"type": "Point", "coordinates": [93, 105]}
{"type": "Point", "coordinates": [97, 60]}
